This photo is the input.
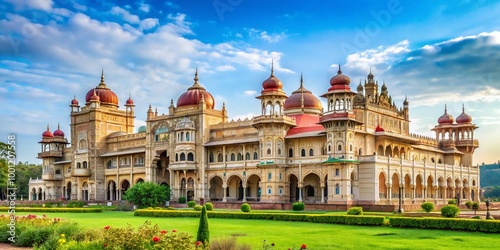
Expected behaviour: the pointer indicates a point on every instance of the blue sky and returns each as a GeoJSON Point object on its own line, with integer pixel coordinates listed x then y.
{"type": "Point", "coordinates": [435, 53]}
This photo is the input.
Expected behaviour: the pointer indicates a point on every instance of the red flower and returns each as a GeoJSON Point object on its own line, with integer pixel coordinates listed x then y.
{"type": "Point", "coordinates": [198, 243]}
{"type": "Point", "coordinates": [106, 227]}
{"type": "Point", "coordinates": [105, 244]}
{"type": "Point", "coordinates": [55, 219]}
{"type": "Point", "coordinates": [44, 216]}
{"type": "Point", "coordinates": [173, 231]}
{"type": "Point", "coordinates": [58, 219]}
{"type": "Point", "coordinates": [163, 231]}
{"type": "Point", "coordinates": [156, 239]}
{"type": "Point", "coordinates": [303, 246]}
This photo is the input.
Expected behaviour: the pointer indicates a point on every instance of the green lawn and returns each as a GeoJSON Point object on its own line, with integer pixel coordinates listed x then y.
{"type": "Point", "coordinates": [289, 234]}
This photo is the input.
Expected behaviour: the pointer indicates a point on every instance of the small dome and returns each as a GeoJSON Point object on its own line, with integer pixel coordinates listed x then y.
{"type": "Point", "coordinates": [360, 87]}
{"type": "Point", "coordinates": [47, 133]}
{"type": "Point", "coordinates": [445, 118]}
{"type": "Point", "coordinates": [384, 88]}
{"type": "Point", "coordinates": [106, 95]}
{"type": "Point", "coordinates": [302, 96]}
{"type": "Point", "coordinates": [340, 79]}
{"type": "Point", "coordinates": [58, 132]}
{"type": "Point", "coordinates": [129, 101]}
{"type": "Point", "coordinates": [185, 123]}
{"type": "Point", "coordinates": [379, 129]}
{"type": "Point", "coordinates": [141, 129]}
{"type": "Point", "coordinates": [195, 94]}
{"type": "Point", "coordinates": [272, 83]}
{"type": "Point", "coordinates": [74, 101]}
{"type": "Point", "coordinates": [464, 118]}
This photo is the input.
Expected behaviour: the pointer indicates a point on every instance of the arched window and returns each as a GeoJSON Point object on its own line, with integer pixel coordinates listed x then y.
{"type": "Point", "coordinates": [255, 156]}
{"type": "Point", "coordinates": [232, 157]}
{"type": "Point", "coordinates": [176, 157]}
{"type": "Point", "coordinates": [187, 136]}
{"type": "Point", "coordinates": [211, 157]}
{"type": "Point", "coordinates": [240, 157]}
{"type": "Point", "coordinates": [323, 150]}
{"type": "Point", "coordinates": [279, 151]}
{"type": "Point", "coordinates": [220, 158]}
{"type": "Point", "coordinates": [329, 148]}
{"type": "Point", "coordinates": [190, 156]}
{"type": "Point", "coordinates": [290, 152]}
{"type": "Point", "coordinates": [247, 156]}
{"type": "Point", "coordinates": [182, 136]}
{"type": "Point", "coordinates": [310, 191]}
{"type": "Point", "coordinates": [350, 147]}
{"type": "Point", "coordinates": [85, 164]}
{"type": "Point", "coordinates": [337, 172]}
{"type": "Point", "coordinates": [79, 165]}
{"type": "Point", "coordinates": [58, 171]}
{"type": "Point", "coordinates": [268, 151]}
{"type": "Point", "coordinates": [303, 152]}
{"type": "Point", "coordinates": [337, 189]}
{"type": "Point", "coordinates": [311, 152]}
{"type": "Point", "coordinates": [183, 157]}
{"type": "Point", "coordinates": [339, 147]}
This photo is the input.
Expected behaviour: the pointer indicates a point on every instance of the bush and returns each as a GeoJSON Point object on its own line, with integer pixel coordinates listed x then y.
{"type": "Point", "coordinates": [355, 211]}
{"type": "Point", "coordinates": [158, 208]}
{"type": "Point", "coordinates": [209, 206]}
{"type": "Point", "coordinates": [198, 207]}
{"type": "Point", "coordinates": [147, 194]}
{"type": "Point", "coordinates": [75, 204]}
{"type": "Point", "coordinates": [450, 211]}
{"type": "Point", "coordinates": [475, 206]}
{"type": "Point", "coordinates": [427, 206]}
{"type": "Point", "coordinates": [245, 207]}
{"type": "Point", "coordinates": [53, 209]}
{"type": "Point", "coordinates": [203, 232]}
{"type": "Point", "coordinates": [468, 204]}
{"type": "Point", "coordinates": [191, 204]}
{"type": "Point", "coordinates": [452, 202]}
{"type": "Point", "coordinates": [182, 200]}
{"type": "Point", "coordinates": [298, 206]}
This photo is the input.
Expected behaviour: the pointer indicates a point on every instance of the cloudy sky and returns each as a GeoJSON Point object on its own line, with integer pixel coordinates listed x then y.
{"type": "Point", "coordinates": [435, 53]}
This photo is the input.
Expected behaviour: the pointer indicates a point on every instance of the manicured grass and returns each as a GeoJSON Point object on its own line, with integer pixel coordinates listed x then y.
{"type": "Point", "coordinates": [288, 234]}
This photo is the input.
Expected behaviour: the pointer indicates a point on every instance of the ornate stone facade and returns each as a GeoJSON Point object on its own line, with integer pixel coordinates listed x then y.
{"type": "Point", "coordinates": [357, 151]}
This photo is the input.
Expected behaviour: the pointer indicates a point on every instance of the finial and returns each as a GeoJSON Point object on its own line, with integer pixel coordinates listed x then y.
{"type": "Point", "coordinates": [48, 128]}
{"type": "Point", "coordinates": [272, 67]}
{"type": "Point", "coordinates": [171, 101]}
{"type": "Point", "coordinates": [58, 127]}
{"type": "Point", "coordinates": [370, 69]}
{"type": "Point", "coordinates": [102, 76]}
{"type": "Point", "coordinates": [463, 108]}
{"type": "Point", "coordinates": [302, 82]}
{"type": "Point", "coordinates": [196, 76]}
{"type": "Point", "coordinates": [150, 109]}
{"type": "Point", "coordinates": [445, 109]}
{"type": "Point", "coordinates": [340, 70]}
{"type": "Point", "coordinates": [224, 105]}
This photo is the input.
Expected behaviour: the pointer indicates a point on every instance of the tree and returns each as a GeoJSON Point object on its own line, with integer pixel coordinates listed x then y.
{"type": "Point", "coordinates": [475, 207]}
{"type": "Point", "coordinates": [203, 232]}
{"type": "Point", "coordinates": [147, 194]}
{"type": "Point", "coordinates": [427, 206]}
{"type": "Point", "coordinates": [6, 152]}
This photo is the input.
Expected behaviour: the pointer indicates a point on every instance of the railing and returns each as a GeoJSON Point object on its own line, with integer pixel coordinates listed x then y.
{"type": "Point", "coordinates": [382, 195]}
{"type": "Point", "coordinates": [50, 153]}
{"type": "Point", "coordinates": [52, 177]}
{"type": "Point", "coordinates": [80, 172]}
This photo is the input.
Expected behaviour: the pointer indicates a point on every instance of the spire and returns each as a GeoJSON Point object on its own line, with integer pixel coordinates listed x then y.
{"type": "Point", "coordinates": [48, 128]}
{"type": "Point", "coordinates": [463, 108]}
{"type": "Point", "coordinates": [301, 82]}
{"type": "Point", "coordinates": [340, 70]}
{"type": "Point", "coordinates": [58, 127]}
{"type": "Point", "coordinates": [445, 109]}
{"type": "Point", "coordinates": [102, 84]}
{"type": "Point", "coordinates": [171, 102]}
{"type": "Point", "coordinates": [150, 109]}
{"type": "Point", "coordinates": [196, 76]}
{"type": "Point", "coordinates": [272, 67]}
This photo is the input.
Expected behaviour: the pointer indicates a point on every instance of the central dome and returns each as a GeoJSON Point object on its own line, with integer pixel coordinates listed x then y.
{"type": "Point", "coordinates": [272, 83]}
{"type": "Point", "coordinates": [106, 95]}
{"type": "Point", "coordinates": [303, 98]}
{"type": "Point", "coordinates": [445, 118]}
{"type": "Point", "coordinates": [340, 79]}
{"type": "Point", "coordinates": [194, 94]}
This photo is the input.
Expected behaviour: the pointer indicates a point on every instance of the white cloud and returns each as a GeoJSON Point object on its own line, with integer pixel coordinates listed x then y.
{"type": "Point", "coordinates": [225, 68]}
{"type": "Point", "coordinates": [264, 35]}
{"type": "Point", "coordinates": [32, 4]}
{"type": "Point", "coordinates": [250, 92]}
{"type": "Point", "coordinates": [130, 18]}
{"type": "Point", "coordinates": [144, 7]}
{"type": "Point", "coordinates": [148, 23]}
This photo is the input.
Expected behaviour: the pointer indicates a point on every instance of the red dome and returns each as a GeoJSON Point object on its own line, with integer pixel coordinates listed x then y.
{"type": "Point", "coordinates": [379, 129]}
{"type": "Point", "coordinates": [340, 79]}
{"type": "Point", "coordinates": [272, 83]}
{"type": "Point", "coordinates": [106, 95]}
{"type": "Point", "coordinates": [194, 94]}
{"type": "Point", "coordinates": [74, 101]}
{"type": "Point", "coordinates": [58, 132]}
{"type": "Point", "coordinates": [309, 100]}
{"type": "Point", "coordinates": [445, 118]}
{"type": "Point", "coordinates": [129, 101]}
{"type": "Point", "coordinates": [47, 133]}
{"type": "Point", "coordinates": [464, 118]}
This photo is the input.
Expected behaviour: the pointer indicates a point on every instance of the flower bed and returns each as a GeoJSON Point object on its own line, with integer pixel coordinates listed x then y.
{"type": "Point", "coordinates": [53, 210]}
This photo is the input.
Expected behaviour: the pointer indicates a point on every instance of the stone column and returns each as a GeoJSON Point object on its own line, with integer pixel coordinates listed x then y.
{"type": "Point", "coordinates": [224, 188]}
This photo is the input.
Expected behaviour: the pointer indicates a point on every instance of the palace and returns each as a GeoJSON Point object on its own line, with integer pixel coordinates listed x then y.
{"type": "Point", "coordinates": [356, 151]}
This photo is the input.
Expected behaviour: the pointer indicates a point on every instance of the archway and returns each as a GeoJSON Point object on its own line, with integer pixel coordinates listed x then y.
{"type": "Point", "coordinates": [441, 188]}
{"type": "Point", "coordinates": [382, 188]}
{"type": "Point", "coordinates": [408, 186]}
{"type": "Point", "coordinates": [395, 186]}
{"type": "Point", "coordinates": [449, 188]}
{"type": "Point", "coordinates": [68, 191]}
{"type": "Point", "coordinates": [311, 188]}
{"type": "Point", "coordinates": [430, 187]}
{"type": "Point", "coordinates": [293, 188]}
{"type": "Point", "coordinates": [418, 187]}
{"type": "Point", "coordinates": [111, 192]}
{"type": "Point", "coordinates": [234, 190]}
{"type": "Point", "coordinates": [125, 187]}
{"type": "Point", "coordinates": [33, 194]}
{"type": "Point", "coordinates": [216, 192]}
{"type": "Point", "coordinates": [85, 191]}
{"type": "Point", "coordinates": [40, 194]}
{"type": "Point", "coordinates": [252, 190]}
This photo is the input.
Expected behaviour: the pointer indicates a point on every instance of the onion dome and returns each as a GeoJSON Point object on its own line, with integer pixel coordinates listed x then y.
{"type": "Point", "coordinates": [464, 118]}
{"type": "Point", "coordinates": [185, 123]}
{"type": "Point", "coordinates": [59, 132]}
{"type": "Point", "coordinates": [94, 96]}
{"type": "Point", "coordinates": [302, 99]}
{"type": "Point", "coordinates": [445, 118]}
{"type": "Point", "coordinates": [405, 102]}
{"type": "Point", "coordinates": [106, 95]}
{"type": "Point", "coordinates": [141, 129]}
{"type": "Point", "coordinates": [74, 101]}
{"type": "Point", "coordinates": [384, 88]}
{"type": "Point", "coordinates": [47, 133]}
{"type": "Point", "coordinates": [370, 75]}
{"type": "Point", "coordinates": [360, 87]}
{"type": "Point", "coordinates": [129, 101]}
{"type": "Point", "coordinates": [272, 83]}
{"type": "Point", "coordinates": [193, 96]}
{"type": "Point", "coordinates": [340, 79]}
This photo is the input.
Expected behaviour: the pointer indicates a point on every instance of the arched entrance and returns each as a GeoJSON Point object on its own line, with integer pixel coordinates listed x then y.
{"type": "Point", "coordinates": [85, 191]}
{"type": "Point", "coordinates": [125, 187]}
{"type": "Point", "coordinates": [312, 188]}
{"type": "Point", "coordinates": [294, 188]}
{"type": "Point", "coordinates": [68, 191]}
{"type": "Point", "coordinates": [382, 188]}
{"type": "Point", "coordinates": [111, 191]}
{"type": "Point", "coordinates": [395, 186]}
{"type": "Point", "coordinates": [33, 194]}
{"type": "Point", "coordinates": [216, 193]}
{"type": "Point", "coordinates": [418, 187]}
{"type": "Point", "coordinates": [190, 189]}
{"type": "Point", "coordinates": [40, 194]}
{"type": "Point", "coordinates": [234, 190]}
{"type": "Point", "coordinates": [252, 190]}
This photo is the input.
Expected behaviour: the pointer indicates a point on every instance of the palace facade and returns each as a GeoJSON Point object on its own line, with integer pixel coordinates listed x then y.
{"type": "Point", "coordinates": [356, 150]}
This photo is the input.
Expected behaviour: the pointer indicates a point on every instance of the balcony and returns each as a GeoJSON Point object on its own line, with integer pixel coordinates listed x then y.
{"type": "Point", "coordinates": [52, 177]}
{"type": "Point", "coordinates": [50, 154]}
{"type": "Point", "coordinates": [80, 172]}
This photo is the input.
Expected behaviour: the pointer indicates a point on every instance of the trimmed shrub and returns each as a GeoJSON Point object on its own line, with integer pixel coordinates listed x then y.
{"type": "Point", "coordinates": [191, 204]}
{"type": "Point", "coordinates": [147, 194]}
{"type": "Point", "coordinates": [450, 211]}
{"type": "Point", "coordinates": [452, 202]}
{"type": "Point", "coordinates": [149, 208]}
{"type": "Point", "coordinates": [475, 206]}
{"type": "Point", "coordinates": [298, 206]}
{"type": "Point", "coordinates": [158, 208]}
{"type": "Point", "coordinates": [197, 207]}
{"type": "Point", "coordinates": [209, 206]}
{"type": "Point", "coordinates": [468, 204]}
{"type": "Point", "coordinates": [473, 225]}
{"type": "Point", "coordinates": [203, 232]}
{"type": "Point", "coordinates": [427, 206]}
{"type": "Point", "coordinates": [182, 200]}
{"type": "Point", "coordinates": [75, 204]}
{"type": "Point", "coordinates": [355, 211]}
{"type": "Point", "coordinates": [245, 207]}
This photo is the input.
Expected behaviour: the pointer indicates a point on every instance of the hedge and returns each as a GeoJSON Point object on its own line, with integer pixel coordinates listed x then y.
{"type": "Point", "coordinates": [332, 219]}
{"type": "Point", "coordinates": [53, 209]}
{"type": "Point", "coordinates": [475, 225]}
